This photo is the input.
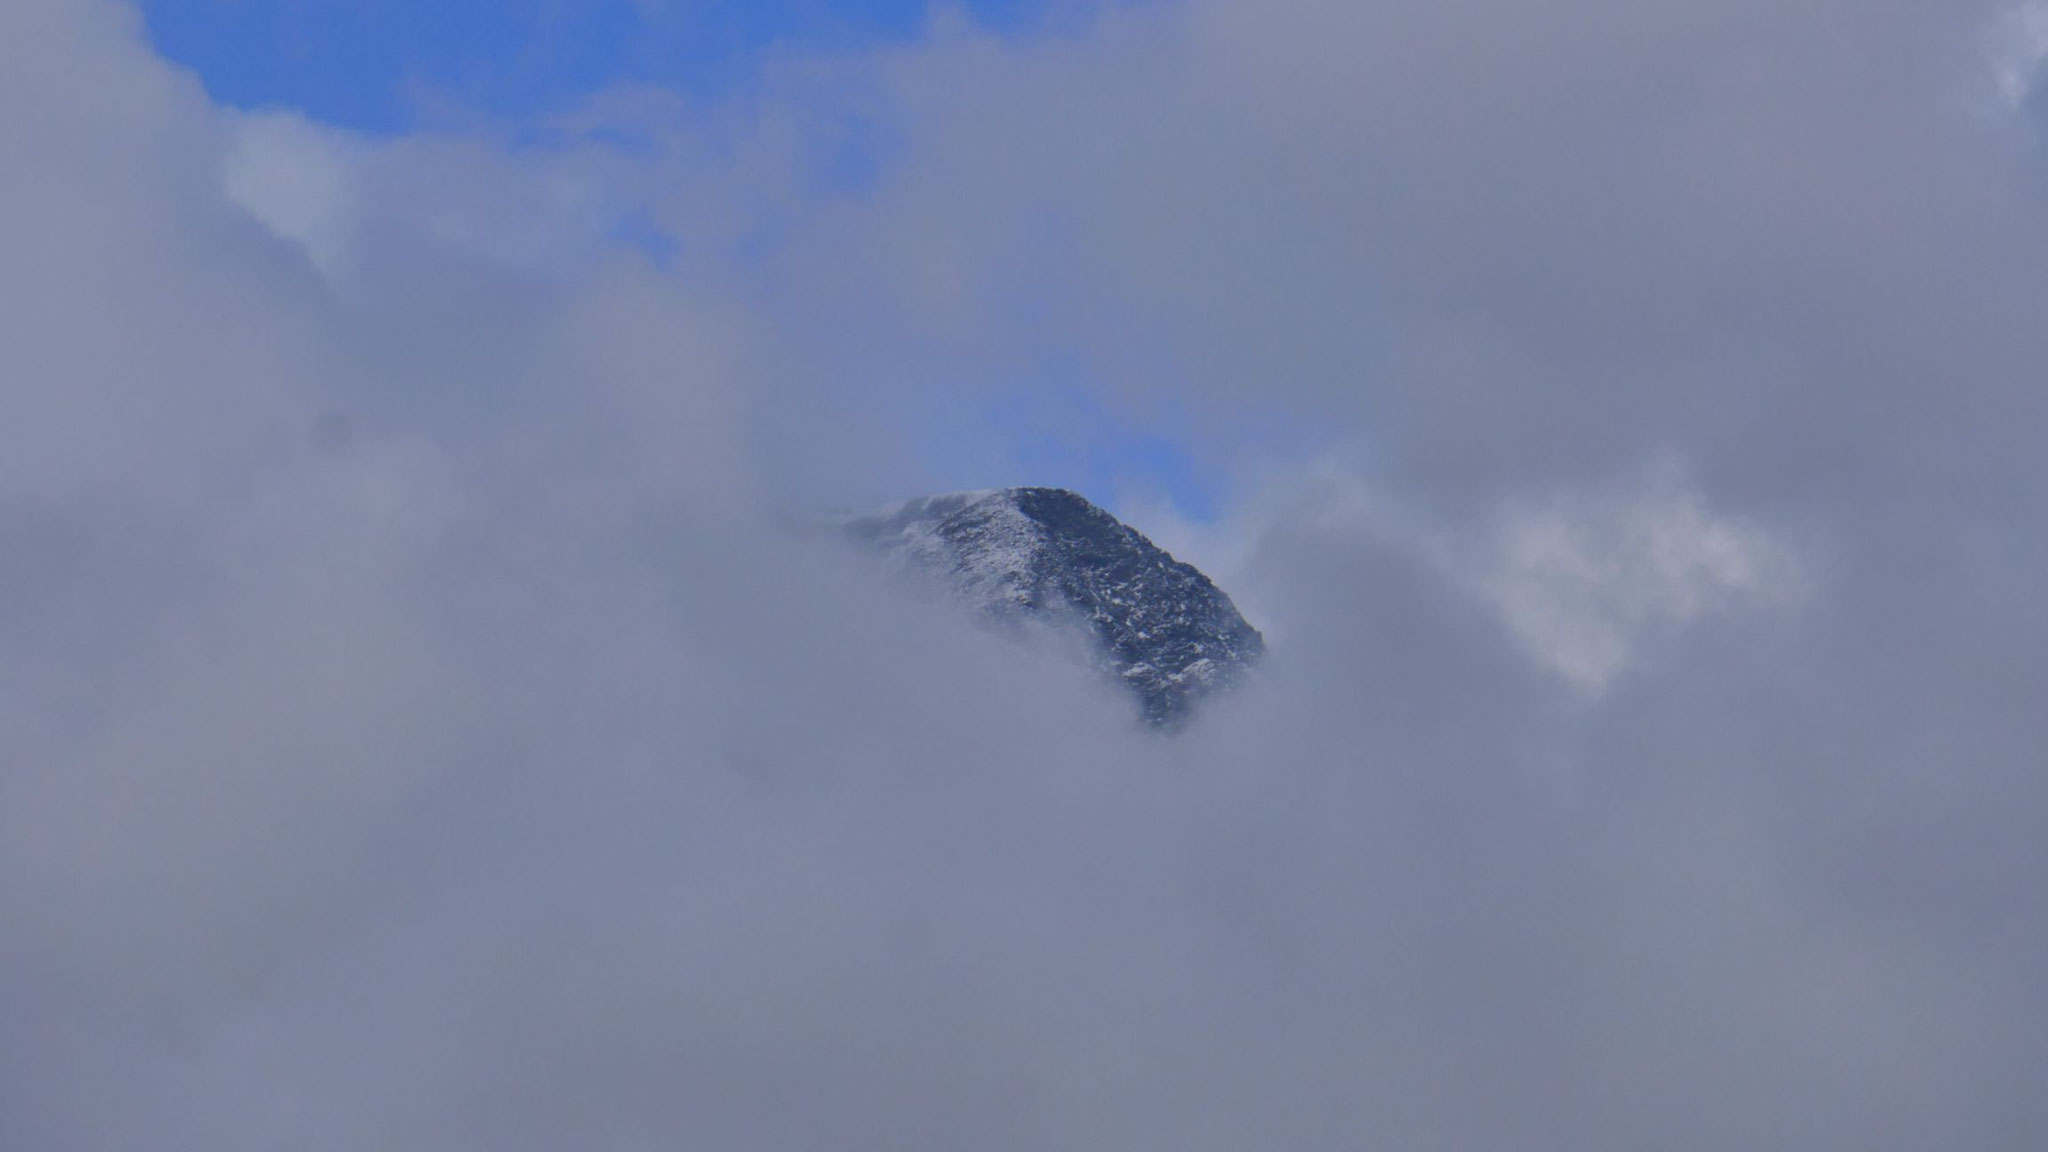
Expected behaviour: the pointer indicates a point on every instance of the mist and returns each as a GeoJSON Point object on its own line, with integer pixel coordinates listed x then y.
{"type": "Point", "coordinates": [423, 727]}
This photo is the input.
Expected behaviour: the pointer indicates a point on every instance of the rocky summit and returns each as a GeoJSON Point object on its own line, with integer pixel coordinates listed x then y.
{"type": "Point", "coordinates": [1046, 554]}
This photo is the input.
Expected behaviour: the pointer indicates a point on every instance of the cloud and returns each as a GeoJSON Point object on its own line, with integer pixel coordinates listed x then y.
{"type": "Point", "coordinates": [2020, 46]}
{"type": "Point", "coordinates": [416, 732]}
{"type": "Point", "coordinates": [295, 178]}
{"type": "Point", "coordinates": [1582, 580]}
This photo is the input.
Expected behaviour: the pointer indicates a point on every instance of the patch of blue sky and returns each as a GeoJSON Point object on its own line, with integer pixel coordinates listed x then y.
{"type": "Point", "coordinates": [1062, 434]}
{"type": "Point", "coordinates": [382, 66]}
{"type": "Point", "coordinates": [638, 231]}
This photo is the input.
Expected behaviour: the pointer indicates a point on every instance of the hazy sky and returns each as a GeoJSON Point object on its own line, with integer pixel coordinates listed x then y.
{"type": "Point", "coordinates": [421, 729]}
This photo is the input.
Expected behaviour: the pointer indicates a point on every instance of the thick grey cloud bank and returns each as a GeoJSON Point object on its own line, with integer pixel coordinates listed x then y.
{"type": "Point", "coordinates": [417, 736]}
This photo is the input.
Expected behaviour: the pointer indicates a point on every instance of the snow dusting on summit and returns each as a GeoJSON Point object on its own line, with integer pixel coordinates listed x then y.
{"type": "Point", "coordinates": [1158, 625]}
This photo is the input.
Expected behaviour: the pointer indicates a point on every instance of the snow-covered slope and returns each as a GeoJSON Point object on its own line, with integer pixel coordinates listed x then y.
{"type": "Point", "coordinates": [1159, 625]}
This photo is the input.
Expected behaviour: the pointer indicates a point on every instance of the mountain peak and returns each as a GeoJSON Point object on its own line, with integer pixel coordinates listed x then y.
{"type": "Point", "coordinates": [1157, 624]}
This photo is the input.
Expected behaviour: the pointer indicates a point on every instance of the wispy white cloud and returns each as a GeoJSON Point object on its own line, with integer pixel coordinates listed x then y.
{"type": "Point", "coordinates": [1586, 579]}
{"type": "Point", "coordinates": [299, 180]}
{"type": "Point", "coordinates": [2019, 49]}
{"type": "Point", "coordinates": [1589, 581]}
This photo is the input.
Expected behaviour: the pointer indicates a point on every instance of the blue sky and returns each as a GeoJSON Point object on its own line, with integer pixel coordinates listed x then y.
{"type": "Point", "coordinates": [374, 65]}
{"type": "Point", "coordinates": [390, 66]}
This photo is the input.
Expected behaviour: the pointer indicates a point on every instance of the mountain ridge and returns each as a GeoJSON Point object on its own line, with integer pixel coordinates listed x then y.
{"type": "Point", "coordinates": [1158, 625]}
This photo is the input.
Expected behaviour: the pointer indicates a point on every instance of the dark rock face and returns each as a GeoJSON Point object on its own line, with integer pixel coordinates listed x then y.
{"type": "Point", "coordinates": [1158, 625]}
